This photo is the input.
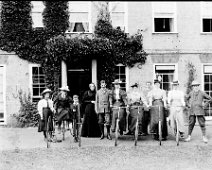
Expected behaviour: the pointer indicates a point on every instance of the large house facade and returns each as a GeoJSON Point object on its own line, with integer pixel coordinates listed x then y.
{"type": "Point", "coordinates": [174, 34]}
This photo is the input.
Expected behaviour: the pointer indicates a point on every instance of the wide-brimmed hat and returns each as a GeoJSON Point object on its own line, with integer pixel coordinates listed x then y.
{"type": "Point", "coordinates": [134, 85]}
{"type": "Point", "coordinates": [117, 81]}
{"type": "Point", "coordinates": [46, 91]}
{"type": "Point", "coordinates": [195, 83]}
{"type": "Point", "coordinates": [176, 82]}
{"type": "Point", "coordinates": [156, 81]}
{"type": "Point", "coordinates": [64, 88]}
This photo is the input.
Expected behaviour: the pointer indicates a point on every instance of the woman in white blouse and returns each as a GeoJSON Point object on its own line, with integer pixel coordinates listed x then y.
{"type": "Point", "coordinates": [45, 109]}
{"type": "Point", "coordinates": [176, 101]}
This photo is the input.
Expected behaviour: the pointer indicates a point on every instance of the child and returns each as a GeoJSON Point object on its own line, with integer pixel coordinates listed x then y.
{"type": "Point", "coordinates": [75, 111]}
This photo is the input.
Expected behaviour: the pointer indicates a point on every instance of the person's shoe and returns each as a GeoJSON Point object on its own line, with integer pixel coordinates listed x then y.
{"type": "Point", "coordinates": [109, 137]}
{"type": "Point", "coordinates": [121, 132]}
{"type": "Point", "coordinates": [182, 135]}
{"type": "Point", "coordinates": [128, 133]}
{"type": "Point", "coordinates": [188, 139]}
{"type": "Point", "coordinates": [102, 137]}
{"type": "Point", "coordinates": [204, 138]}
{"type": "Point", "coordinates": [142, 134]}
{"type": "Point", "coordinates": [113, 130]}
{"type": "Point", "coordinates": [75, 139]}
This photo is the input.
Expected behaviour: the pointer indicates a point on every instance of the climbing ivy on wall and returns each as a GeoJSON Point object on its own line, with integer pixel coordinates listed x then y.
{"type": "Point", "coordinates": [50, 45]}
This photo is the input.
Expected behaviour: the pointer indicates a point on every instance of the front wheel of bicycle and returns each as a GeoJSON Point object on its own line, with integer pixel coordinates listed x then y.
{"type": "Point", "coordinates": [48, 133]}
{"type": "Point", "coordinates": [160, 132]}
{"type": "Point", "coordinates": [136, 133]}
{"type": "Point", "coordinates": [63, 130]}
{"type": "Point", "coordinates": [116, 132]}
{"type": "Point", "coordinates": [178, 133]}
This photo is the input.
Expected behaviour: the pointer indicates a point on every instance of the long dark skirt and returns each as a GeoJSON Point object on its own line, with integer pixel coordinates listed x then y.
{"type": "Point", "coordinates": [63, 114]}
{"type": "Point", "coordinates": [154, 111]}
{"type": "Point", "coordinates": [90, 127]}
{"type": "Point", "coordinates": [42, 126]}
{"type": "Point", "coordinates": [133, 119]}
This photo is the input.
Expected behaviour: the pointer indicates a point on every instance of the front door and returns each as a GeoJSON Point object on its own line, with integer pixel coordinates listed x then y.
{"type": "Point", "coordinates": [78, 81]}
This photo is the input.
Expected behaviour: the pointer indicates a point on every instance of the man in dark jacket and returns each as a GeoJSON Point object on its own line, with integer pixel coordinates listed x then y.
{"type": "Point", "coordinates": [103, 109]}
{"type": "Point", "coordinates": [195, 98]}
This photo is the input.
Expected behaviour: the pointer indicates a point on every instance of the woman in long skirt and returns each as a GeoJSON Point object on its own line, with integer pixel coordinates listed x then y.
{"type": "Point", "coordinates": [45, 110]}
{"type": "Point", "coordinates": [90, 127]}
{"type": "Point", "coordinates": [157, 98]}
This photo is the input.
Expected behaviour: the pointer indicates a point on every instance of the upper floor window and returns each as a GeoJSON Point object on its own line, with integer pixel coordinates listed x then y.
{"type": "Point", "coordinates": [164, 16]}
{"type": "Point", "coordinates": [118, 13]}
{"type": "Point", "coordinates": [206, 16]}
{"type": "Point", "coordinates": [79, 16]}
{"type": "Point", "coordinates": [37, 9]}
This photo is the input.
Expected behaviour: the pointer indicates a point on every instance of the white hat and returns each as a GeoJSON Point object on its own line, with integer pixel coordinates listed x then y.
{"type": "Point", "coordinates": [46, 91]}
{"type": "Point", "coordinates": [64, 88]}
{"type": "Point", "coordinates": [195, 83]}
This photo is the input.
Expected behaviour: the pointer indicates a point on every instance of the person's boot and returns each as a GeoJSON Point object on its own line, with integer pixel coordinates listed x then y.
{"type": "Point", "coordinates": [204, 138]}
{"type": "Point", "coordinates": [102, 131]}
{"type": "Point", "coordinates": [108, 133]}
{"type": "Point", "coordinates": [188, 139]}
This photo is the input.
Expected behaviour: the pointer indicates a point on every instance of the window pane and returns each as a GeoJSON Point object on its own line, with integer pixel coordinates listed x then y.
{"type": "Point", "coordinates": [78, 6]}
{"type": "Point", "coordinates": [206, 78]}
{"type": "Point", "coordinates": [35, 91]}
{"type": "Point", "coordinates": [163, 24]}
{"type": "Point", "coordinates": [37, 19]}
{"type": "Point", "coordinates": [207, 25]}
{"type": "Point", "coordinates": [117, 19]}
{"type": "Point", "coordinates": [78, 17]}
{"type": "Point", "coordinates": [206, 86]}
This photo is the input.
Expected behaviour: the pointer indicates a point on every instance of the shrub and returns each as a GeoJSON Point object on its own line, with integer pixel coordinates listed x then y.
{"type": "Point", "coordinates": [28, 115]}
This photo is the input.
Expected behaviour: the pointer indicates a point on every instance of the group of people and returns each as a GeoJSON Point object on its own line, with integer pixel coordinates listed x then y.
{"type": "Point", "coordinates": [99, 110]}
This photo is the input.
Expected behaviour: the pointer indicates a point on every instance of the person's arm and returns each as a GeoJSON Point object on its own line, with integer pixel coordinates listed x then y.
{"type": "Point", "coordinates": [169, 97]}
{"type": "Point", "coordinates": [51, 106]}
{"type": "Point", "coordinates": [111, 98]}
{"type": "Point", "coordinates": [182, 99]}
{"type": "Point", "coordinates": [97, 102]}
{"type": "Point", "coordinates": [124, 97]}
{"type": "Point", "coordinates": [149, 96]}
{"type": "Point", "coordinates": [143, 99]}
{"type": "Point", "coordinates": [209, 99]}
{"type": "Point", "coordinates": [40, 109]}
{"type": "Point", "coordinates": [164, 98]}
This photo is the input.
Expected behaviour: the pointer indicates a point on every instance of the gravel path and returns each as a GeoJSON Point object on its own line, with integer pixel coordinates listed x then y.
{"type": "Point", "coordinates": [22, 149]}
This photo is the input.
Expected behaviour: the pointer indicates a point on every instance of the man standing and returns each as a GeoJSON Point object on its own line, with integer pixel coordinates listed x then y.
{"type": "Point", "coordinates": [195, 98]}
{"type": "Point", "coordinates": [118, 98]}
{"type": "Point", "coordinates": [103, 109]}
{"type": "Point", "coordinates": [146, 116]}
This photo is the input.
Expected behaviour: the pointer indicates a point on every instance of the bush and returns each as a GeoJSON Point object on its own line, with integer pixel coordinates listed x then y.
{"type": "Point", "coordinates": [28, 115]}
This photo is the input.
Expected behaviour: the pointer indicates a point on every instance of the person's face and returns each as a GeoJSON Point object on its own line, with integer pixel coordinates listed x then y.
{"type": "Point", "coordinates": [75, 99]}
{"type": "Point", "coordinates": [157, 85]}
{"type": "Point", "coordinates": [148, 85]}
{"type": "Point", "coordinates": [117, 86]}
{"type": "Point", "coordinates": [63, 93]}
{"type": "Point", "coordinates": [196, 88]}
{"type": "Point", "coordinates": [47, 96]}
{"type": "Point", "coordinates": [103, 85]}
{"type": "Point", "coordinates": [92, 87]}
{"type": "Point", "coordinates": [175, 86]}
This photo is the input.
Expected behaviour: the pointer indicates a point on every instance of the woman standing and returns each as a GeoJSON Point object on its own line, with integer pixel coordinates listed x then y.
{"type": "Point", "coordinates": [90, 127]}
{"type": "Point", "coordinates": [62, 106]}
{"type": "Point", "coordinates": [157, 98]}
{"type": "Point", "coordinates": [176, 101]}
{"type": "Point", "coordinates": [45, 109]}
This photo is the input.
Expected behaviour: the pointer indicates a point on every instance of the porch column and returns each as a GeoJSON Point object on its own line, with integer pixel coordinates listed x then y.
{"type": "Point", "coordinates": [94, 71]}
{"type": "Point", "coordinates": [64, 73]}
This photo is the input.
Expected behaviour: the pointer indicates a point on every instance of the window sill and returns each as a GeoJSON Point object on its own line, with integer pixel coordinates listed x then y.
{"type": "Point", "coordinates": [78, 32]}
{"type": "Point", "coordinates": [206, 33]}
{"type": "Point", "coordinates": [164, 32]}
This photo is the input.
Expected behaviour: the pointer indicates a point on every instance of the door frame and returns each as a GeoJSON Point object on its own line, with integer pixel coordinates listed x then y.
{"type": "Point", "coordinates": [4, 94]}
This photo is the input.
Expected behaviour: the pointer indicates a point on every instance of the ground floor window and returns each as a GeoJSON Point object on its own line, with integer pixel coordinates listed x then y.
{"type": "Point", "coordinates": [207, 74]}
{"type": "Point", "coordinates": [38, 82]}
{"type": "Point", "coordinates": [165, 74]}
{"type": "Point", "coordinates": [120, 73]}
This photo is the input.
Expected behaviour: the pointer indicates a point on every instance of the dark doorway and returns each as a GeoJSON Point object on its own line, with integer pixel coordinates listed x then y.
{"type": "Point", "coordinates": [79, 80]}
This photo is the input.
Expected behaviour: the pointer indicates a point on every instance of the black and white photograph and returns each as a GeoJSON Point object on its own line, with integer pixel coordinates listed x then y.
{"type": "Point", "coordinates": [105, 85]}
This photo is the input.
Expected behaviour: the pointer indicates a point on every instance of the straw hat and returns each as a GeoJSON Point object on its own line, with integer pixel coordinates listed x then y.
{"type": "Point", "coordinates": [117, 81]}
{"type": "Point", "coordinates": [195, 83]}
{"type": "Point", "coordinates": [175, 82]}
{"type": "Point", "coordinates": [46, 91]}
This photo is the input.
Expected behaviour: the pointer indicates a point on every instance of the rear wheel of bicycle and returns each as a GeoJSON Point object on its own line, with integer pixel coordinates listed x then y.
{"type": "Point", "coordinates": [48, 133]}
{"type": "Point", "coordinates": [63, 130]}
{"type": "Point", "coordinates": [160, 132]}
{"type": "Point", "coordinates": [136, 133]}
{"type": "Point", "coordinates": [116, 132]}
{"type": "Point", "coordinates": [178, 133]}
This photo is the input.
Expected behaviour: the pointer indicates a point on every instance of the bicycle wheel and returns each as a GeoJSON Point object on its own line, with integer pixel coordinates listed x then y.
{"type": "Point", "coordinates": [116, 132]}
{"type": "Point", "coordinates": [136, 133]}
{"type": "Point", "coordinates": [63, 130]}
{"type": "Point", "coordinates": [178, 133]}
{"type": "Point", "coordinates": [79, 135]}
{"type": "Point", "coordinates": [160, 127]}
{"type": "Point", "coordinates": [48, 133]}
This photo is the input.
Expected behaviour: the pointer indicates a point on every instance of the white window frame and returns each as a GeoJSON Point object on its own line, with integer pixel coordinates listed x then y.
{"type": "Point", "coordinates": [89, 19]}
{"type": "Point", "coordinates": [4, 96]}
{"type": "Point", "coordinates": [164, 16]}
{"type": "Point", "coordinates": [33, 24]}
{"type": "Point", "coordinates": [126, 29]}
{"type": "Point", "coordinates": [163, 64]}
{"type": "Point", "coordinates": [126, 75]}
{"type": "Point", "coordinates": [202, 82]}
{"type": "Point", "coordinates": [31, 79]}
{"type": "Point", "coordinates": [202, 17]}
